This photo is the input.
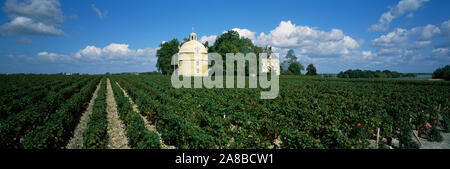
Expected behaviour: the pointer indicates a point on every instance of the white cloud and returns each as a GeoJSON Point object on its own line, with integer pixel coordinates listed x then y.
{"type": "Point", "coordinates": [47, 11]}
{"type": "Point", "coordinates": [445, 27]}
{"type": "Point", "coordinates": [100, 14]}
{"type": "Point", "coordinates": [210, 39]}
{"type": "Point", "coordinates": [426, 33]}
{"type": "Point", "coordinates": [245, 33]}
{"type": "Point", "coordinates": [441, 54]}
{"type": "Point", "coordinates": [33, 17]}
{"type": "Point", "coordinates": [24, 25]}
{"type": "Point", "coordinates": [407, 45]}
{"type": "Point", "coordinates": [52, 57]}
{"type": "Point", "coordinates": [402, 8]}
{"type": "Point", "coordinates": [90, 52]}
{"type": "Point", "coordinates": [113, 53]}
{"type": "Point", "coordinates": [309, 41]}
{"type": "Point", "coordinates": [445, 31]}
{"type": "Point", "coordinates": [117, 52]}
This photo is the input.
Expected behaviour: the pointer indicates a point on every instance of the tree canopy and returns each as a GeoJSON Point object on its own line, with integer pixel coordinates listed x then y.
{"type": "Point", "coordinates": [373, 74]}
{"type": "Point", "coordinates": [311, 70]}
{"type": "Point", "coordinates": [231, 42]}
{"type": "Point", "coordinates": [164, 54]}
{"type": "Point", "coordinates": [442, 73]}
{"type": "Point", "coordinates": [290, 56]}
{"type": "Point", "coordinates": [294, 66]}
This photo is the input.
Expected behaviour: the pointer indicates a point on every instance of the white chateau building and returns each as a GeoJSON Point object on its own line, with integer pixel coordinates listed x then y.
{"type": "Point", "coordinates": [193, 58]}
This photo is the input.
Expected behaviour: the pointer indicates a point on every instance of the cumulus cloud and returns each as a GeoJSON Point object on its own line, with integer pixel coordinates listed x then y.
{"type": "Point", "coordinates": [100, 14]}
{"type": "Point", "coordinates": [33, 17]}
{"type": "Point", "coordinates": [445, 31]}
{"type": "Point", "coordinates": [47, 11]}
{"type": "Point", "coordinates": [24, 25]}
{"type": "Point", "coordinates": [309, 41]}
{"type": "Point", "coordinates": [210, 39]}
{"type": "Point", "coordinates": [406, 45]}
{"type": "Point", "coordinates": [90, 52]}
{"type": "Point", "coordinates": [403, 7]}
{"type": "Point", "coordinates": [116, 52]}
{"type": "Point", "coordinates": [441, 54]}
{"type": "Point", "coordinates": [53, 57]}
{"type": "Point", "coordinates": [245, 33]}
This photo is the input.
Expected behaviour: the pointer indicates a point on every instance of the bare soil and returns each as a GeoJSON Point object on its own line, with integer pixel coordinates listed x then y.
{"type": "Point", "coordinates": [116, 128]}
{"type": "Point", "coordinates": [445, 144]}
{"type": "Point", "coordinates": [76, 142]}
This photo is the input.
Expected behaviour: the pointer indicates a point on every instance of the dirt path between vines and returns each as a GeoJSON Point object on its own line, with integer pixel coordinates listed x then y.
{"type": "Point", "coordinates": [116, 128]}
{"type": "Point", "coordinates": [445, 144]}
{"type": "Point", "coordinates": [147, 124]}
{"type": "Point", "coordinates": [76, 142]}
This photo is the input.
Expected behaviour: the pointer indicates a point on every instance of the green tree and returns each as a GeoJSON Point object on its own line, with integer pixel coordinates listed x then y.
{"type": "Point", "coordinates": [231, 42]}
{"type": "Point", "coordinates": [311, 70]}
{"type": "Point", "coordinates": [443, 73]}
{"type": "Point", "coordinates": [295, 68]}
{"type": "Point", "coordinates": [164, 54]}
{"type": "Point", "coordinates": [290, 56]}
{"type": "Point", "coordinates": [206, 44]}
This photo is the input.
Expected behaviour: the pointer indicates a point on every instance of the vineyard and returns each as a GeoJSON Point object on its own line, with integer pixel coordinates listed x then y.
{"type": "Point", "coordinates": [146, 112]}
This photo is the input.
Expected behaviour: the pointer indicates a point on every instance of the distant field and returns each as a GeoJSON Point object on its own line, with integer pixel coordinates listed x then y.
{"type": "Point", "coordinates": [43, 111]}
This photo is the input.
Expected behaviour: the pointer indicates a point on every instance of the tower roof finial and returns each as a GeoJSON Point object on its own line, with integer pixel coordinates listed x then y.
{"type": "Point", "coordinates": [192, 27]}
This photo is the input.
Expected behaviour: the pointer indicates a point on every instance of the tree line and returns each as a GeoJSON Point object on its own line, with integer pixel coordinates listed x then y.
{"type": "Point", "coordinates": [442, 73]}
{"type": "Point", "coordinates": [373, 74]}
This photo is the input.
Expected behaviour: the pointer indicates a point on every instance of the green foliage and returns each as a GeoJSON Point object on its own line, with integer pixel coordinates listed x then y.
{"type": "Point", "coordinates": [309, 113]}
{"type": "Point", "coordinates": [373, 74]}
{"type": "Point", "coordinates": [164, 54]}
{"type": "Point", "coordinates": [442, 73]}
{"type": "Point", "coordinates": [35, 114]}
{"type": "Point", "coordinates": [295, 68]}
{"type": "Point", "coordinates": [299, 140]}
{"type": "Point", "coordinates": [435, 135]}
{"type": "Point", "coordinates": [139, 136]}
{"type": "Point", "coordinates": [311, 70]}
{"type": "Point", "coordinates": [445, 120]}
{"type": "Point", "coordinates": [96, 134]}
{"type": "Point", "coordinates": [231, 42]}
{"type": "Point", "coordinates": [405, 139]}
{"type": "Point", "coordinates": [58, 127]}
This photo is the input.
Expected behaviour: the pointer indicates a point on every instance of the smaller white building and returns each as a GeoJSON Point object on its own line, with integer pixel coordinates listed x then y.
{"type": "Point", "coordinates": [269, 64]}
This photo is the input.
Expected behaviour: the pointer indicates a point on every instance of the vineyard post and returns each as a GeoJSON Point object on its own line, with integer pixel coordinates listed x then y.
{"type": "Point", "coordinates": [378, 136]}
{"type": "Point", "coordinates": [417, 137]}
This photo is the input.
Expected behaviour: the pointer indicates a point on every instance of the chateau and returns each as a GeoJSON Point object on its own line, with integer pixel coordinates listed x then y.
{"type": "Point", "coordinates": [193, 58]}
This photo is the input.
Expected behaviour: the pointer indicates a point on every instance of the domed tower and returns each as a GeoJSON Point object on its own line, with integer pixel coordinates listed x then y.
{"type": "Point", "coordinates": [193, 58]}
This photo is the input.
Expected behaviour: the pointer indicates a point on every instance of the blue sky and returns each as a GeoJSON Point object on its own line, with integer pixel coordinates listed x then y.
{"type": "Point", "coordinates": [86, 36]}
